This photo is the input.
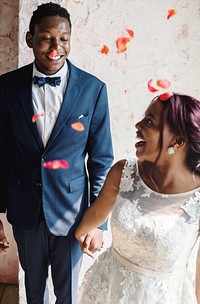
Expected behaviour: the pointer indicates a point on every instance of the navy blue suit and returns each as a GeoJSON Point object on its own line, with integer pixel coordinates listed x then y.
{"type": "Point", "coordinates": [25, 185]}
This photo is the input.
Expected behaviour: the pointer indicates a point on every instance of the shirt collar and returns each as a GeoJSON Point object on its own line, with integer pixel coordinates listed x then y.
{"type": "Point", "coordinates": [62, 72]}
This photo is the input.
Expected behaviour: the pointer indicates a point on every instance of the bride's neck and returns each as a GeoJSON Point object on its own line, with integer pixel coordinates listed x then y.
{"type": "Point", "coordinates": [168, 179]}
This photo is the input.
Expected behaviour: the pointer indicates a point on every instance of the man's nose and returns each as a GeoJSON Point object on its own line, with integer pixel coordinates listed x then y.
{"type": "Point", "coordinates": [55, 43]}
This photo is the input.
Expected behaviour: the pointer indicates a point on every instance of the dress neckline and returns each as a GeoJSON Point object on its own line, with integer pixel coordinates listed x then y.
{"type": "Point", "coordinates": [159, 193]}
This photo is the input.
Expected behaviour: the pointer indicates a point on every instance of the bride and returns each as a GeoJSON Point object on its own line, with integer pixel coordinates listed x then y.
{"type": "Point", "coordinates": [155, 204]}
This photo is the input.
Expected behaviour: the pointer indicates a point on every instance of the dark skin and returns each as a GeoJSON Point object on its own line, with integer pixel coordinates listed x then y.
{"type": "Point", "coordinates": [3, 241]}
{"type": "Point", "coordinates": [50, 34]}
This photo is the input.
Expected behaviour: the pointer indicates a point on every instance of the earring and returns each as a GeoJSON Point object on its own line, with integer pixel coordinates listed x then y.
{"type": "Point", "coordinates": [170, 150]}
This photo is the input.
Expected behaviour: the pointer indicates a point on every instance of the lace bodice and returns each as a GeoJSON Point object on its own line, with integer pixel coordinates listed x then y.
{"type": "Point", "coordinates": [153, 230]}
{"type": "Point", "coordinates": [153, 236]}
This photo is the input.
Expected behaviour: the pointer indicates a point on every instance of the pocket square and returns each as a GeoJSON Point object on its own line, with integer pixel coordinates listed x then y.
{"type": "Point", "coordinates": [81, 116]}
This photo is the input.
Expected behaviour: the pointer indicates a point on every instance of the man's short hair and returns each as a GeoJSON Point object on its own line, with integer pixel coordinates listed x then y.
{"type": "Point", "coordinates": [48, 10]}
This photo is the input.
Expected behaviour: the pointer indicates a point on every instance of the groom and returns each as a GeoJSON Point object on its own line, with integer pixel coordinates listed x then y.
{"type": "Point", "coordinates": [55, 152]}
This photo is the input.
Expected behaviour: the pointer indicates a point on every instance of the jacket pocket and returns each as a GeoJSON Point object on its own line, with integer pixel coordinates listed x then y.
{"type": "Point", "coordinates": [78, 183]}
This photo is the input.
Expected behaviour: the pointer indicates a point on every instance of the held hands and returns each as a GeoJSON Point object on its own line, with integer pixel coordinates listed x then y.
{"type": "Point", "coordinates": [91, 242]}
{"type": "Point", "coordinates": [3, 241]}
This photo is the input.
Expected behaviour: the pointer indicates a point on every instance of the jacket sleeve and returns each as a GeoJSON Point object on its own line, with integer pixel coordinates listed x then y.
{"type": "Point", "coordinates": [100, 151]}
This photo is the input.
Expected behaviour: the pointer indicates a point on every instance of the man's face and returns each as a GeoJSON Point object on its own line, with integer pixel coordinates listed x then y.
{"type": "Point", "coordinates": [50, 34]}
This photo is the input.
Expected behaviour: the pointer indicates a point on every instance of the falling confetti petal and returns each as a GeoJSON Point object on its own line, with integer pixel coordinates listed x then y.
{"type": "Point", "coordinates": [128, 39]}
{"type": "Point", "coordinates": [163, 83]}
{"type": "Point", "coordinates": [150, 87]}
{"type": "Point", "coordinates": [130, 32]}
{"type": "Point", "coordinates": [53, 54]}
{"type": "Point", "coordinates": [105, 49]}
{"type": "Point", "coordinates": [165, 96]}
{"type": "Point", "coordinates": [36, 116]}
{"type": "Point", "coordinates": [171, 12]}
{"type": "Point", "coordinates": [78, 126]}
{"type": "Point", "coordinates": [56, 164]}
{"type": "Point", "coordinates": [121, 44]}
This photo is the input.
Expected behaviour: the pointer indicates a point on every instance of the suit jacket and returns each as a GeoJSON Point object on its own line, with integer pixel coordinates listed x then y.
{"type": "Point", "coordinates": [24, 182]}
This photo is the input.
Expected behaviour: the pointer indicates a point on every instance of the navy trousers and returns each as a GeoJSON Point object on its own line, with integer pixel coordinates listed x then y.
{"type": "Point", "coordinates": [38, 249]}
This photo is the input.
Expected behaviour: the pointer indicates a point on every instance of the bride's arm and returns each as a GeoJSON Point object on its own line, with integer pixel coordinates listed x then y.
{"type": "Point", "coordinates": [198, 277]}
{"type": "Point", "coordinates": [99, 211]}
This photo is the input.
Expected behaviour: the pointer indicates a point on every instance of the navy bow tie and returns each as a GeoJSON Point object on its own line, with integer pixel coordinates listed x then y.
{"type": "Point", "coordinates": [52, 81]}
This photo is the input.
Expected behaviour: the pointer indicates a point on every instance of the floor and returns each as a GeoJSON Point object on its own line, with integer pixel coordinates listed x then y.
{"type": "Point", "coordinates": [9, 293]}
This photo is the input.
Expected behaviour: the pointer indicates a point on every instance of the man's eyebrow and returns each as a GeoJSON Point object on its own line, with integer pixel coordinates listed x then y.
{"type": "Point", "coordinates": [43, 31]}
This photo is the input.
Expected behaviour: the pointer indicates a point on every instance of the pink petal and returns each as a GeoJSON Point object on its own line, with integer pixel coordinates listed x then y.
{"type": "Point", "coordinates": [56, 164]}
{"type": "Point", "coordinates": [171, 12]}
{"type": "Point", "coordinates": [36, 116]}
{"type": "Point", "coordinates": [105, 49]}
{"type": "Point", "coordinates": [78, 126]}
{"type": "Point", "coordinates": [165, 96]}
{"type": "Point", "coordinates": [121, 44]}
{"type": "Point", "coordinates": [163, 83]}
{"type": "Point", "coordinates": [150, 87]}
{"type": "Point", "coordinates": [53, 54]}
{"type": "Point", "coordinates": [130, 32]}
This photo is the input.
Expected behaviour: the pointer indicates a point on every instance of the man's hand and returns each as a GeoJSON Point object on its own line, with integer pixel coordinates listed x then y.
{"type": "Point", "coordinates": [92, 242]}
{"type": "Point", "coordinates": [3, 241]}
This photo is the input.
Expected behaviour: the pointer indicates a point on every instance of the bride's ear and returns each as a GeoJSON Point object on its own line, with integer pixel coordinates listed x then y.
{"type": "Point", "coordinates": [180, 142]}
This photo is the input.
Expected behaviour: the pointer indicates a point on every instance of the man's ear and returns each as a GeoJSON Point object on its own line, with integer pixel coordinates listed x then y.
{"type": "Point", "coordinates": [29, 40]}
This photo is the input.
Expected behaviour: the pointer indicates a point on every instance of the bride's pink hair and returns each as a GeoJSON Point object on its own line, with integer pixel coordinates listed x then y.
{"type": "Point", "coordinates": [182, 113]}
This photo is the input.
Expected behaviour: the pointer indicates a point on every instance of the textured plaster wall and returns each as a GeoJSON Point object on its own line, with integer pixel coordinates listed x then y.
{"type": "Point", "coordinates": [161, 48]}
{"type": "Point", "coordinates": [8, 35]}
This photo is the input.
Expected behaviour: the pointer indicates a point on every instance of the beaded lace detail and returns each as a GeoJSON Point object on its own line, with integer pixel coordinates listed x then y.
{"type": "Point", "coordinates": [156, 232]}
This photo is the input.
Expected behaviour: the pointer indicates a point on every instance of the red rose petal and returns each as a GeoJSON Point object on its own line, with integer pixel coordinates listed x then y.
{"type": "Point", "coordinates": [150, 87]}
{"type": "Point", "coordinates": [171, 12]}
{"type": "Point", "coordinates": [130, 32]}
{"type": "Point", "coordinates": [105, 49]}
{"type": "Point", "coordinates": [56, 164]}
{"type": "Point", "coordinates": [121, 44]}
{"type": "Point", "coordinates": [165, 96]}
{"type": "Point", "coordinates": [163, 83]}
{"type": "Point", "coordinates": [78, 126]}
{"type": "Point", "coordinates": [53, 54]}
{"type": "Point", "coordinates": [36, 116]}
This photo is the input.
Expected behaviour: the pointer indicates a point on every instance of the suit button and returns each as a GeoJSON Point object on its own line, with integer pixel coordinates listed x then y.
{"type": "Point", "coordinates": [38, 184]}
{"type": "Point", "coordinates": [43, 160]}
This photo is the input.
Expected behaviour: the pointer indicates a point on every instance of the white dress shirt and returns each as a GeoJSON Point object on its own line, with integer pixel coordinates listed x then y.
{"type": "Point", "coordinates": [48, 100]}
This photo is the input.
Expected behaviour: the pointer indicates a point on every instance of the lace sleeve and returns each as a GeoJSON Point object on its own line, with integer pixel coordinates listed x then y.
{"type": "Point", "coordinates": [128, 176]}
{"type": "Point", "coordinates": [192, 207]}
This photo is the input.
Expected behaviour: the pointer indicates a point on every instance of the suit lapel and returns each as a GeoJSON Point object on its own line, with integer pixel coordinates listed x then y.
{"type": "Point", "coordinates": [70, 100]}
{"type": "Point", "coordinates": [25, 92]}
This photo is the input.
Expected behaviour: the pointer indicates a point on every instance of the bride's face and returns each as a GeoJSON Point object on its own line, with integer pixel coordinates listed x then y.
{"type": "Point", "coordinates": [148, 134]}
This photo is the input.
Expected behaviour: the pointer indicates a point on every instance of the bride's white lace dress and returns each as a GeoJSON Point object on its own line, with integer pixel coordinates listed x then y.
{"type": "Point", "coordinates": [152, 239]}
